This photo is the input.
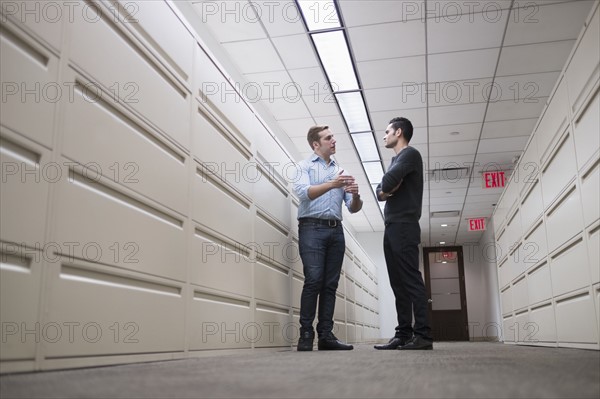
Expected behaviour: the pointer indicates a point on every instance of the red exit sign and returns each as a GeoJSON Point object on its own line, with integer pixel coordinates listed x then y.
{"type": "Point", "coordinates": [494, 179]}
{"type": "Point", "coordinates": [476, 224]}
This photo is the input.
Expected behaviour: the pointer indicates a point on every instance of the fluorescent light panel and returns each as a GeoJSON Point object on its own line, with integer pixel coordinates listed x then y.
{"type": "Point", "coordinates": [320, 14]}
{"type": "Point", "coordinates": [354, 111]}
{"type": "Point", "coordinates": [365, 145]}
{"type": "Point", "coordinates": [335, 57]}
{"type": "Point", "coordinates": [374, 187]}
{"type": "Point", "coordinates": [374, 171]}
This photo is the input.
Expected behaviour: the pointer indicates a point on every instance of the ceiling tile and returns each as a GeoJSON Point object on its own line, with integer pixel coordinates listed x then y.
{"type": "Point", "coordinates": [468, 131]}
{"type": "Point", "coordinates": [477, 200]}
{"type": "Point", "coordinates": [393, 40]}
{"type": "Point", "coordinates": [456, 114]}
{"type": "Point", "coordinates": [527, 4]}
{"type": "Point", "coordinates": [312, 81]}
{"type": "Point", "coordinates": [462, 65]}
{"type": "Point", "coordinates": [509, 128]}
{"type": "Point", "coordinates": [301, 144]}
{"type": "Point", "coordinates": [447, 184]}
{"type": "Point", "coordinates": [319, 107]}
{"type": "Point", "coordinates": [297, 127]}
{"type": "Point", "coordinates": [374, 214]}
{"type": "Point", "coordinates": [380, 11]}
{"type": "Point", "coordinates": [346, 159]}
{"type": "Point", "coordinates": [419, 135]}
{"type": "Point", "coordinates": [377, 224]}
{"type": "Point", "coordinates": [454, 202]}
{"type": "Point", "coordinates": [502, 144]}
{"type": "Point", "coordinates": [481, 211]}
{"type": "Point", "coordinates": [381, 120]}
{"type": "Point", "coordinates": [498, 160]}
{"type": "Point", "coordinates": [478, 206]}
{"type": "Point", "coordinates": [296, 51]}
{"type": "Point", "coordinates": [456, 161]}
{"type": "Point", "coordinates": [547, 23]}
{"type": "Point", "coordinates": [231, 21]}
{"type": "Point", "coordinates": [457, 10]}
{"type": "Point", "coordinates": [478, 191]}
{"type": "Point", "coordinates": [270, 85]}
{"type": "Point", "coordinates": [335, 123]}
{"type": "Point", "coordinates": [343, 141]}
{"type": "Point", "coordinates": [354, 168]}
{"type": "Point", "coordinates": [506, 110]}
{"type": "Point", "coordinates": [392, 98]}
{"type": "Point", "coordinates": [453, 148]}
{"type": "Point", "coordinates": [407, 71]}
{"type": "Point", "coordinates": [534, 58]}
{"type": "Point", "coordinates": [469, 237]}
{"type": "Point", "coordinates": [468, 32]}
{"type": "Point", "coordinates": [281, 108]}
{"type": "Point", "coordinates": [522, 88]}
{"type": "Point", "coordinates": [469, 91]}
{"type": "Point", "coordinates": [482, 202]}
{"type": "Point", "coordinates": [280, 17]}
{"type": "Point", "coordinates": [244, 56]}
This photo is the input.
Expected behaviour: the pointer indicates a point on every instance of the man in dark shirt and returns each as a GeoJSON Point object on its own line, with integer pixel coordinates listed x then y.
{"type": "Point", "coordinates": [402, 189]}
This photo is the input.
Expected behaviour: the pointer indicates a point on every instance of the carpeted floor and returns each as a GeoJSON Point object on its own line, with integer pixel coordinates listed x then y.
{"type": "Point", "coordinates": [451, 370]}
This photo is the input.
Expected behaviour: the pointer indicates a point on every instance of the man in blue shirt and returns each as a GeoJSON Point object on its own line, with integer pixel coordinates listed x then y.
{"type": "Point", "coordinates": [322, 187]}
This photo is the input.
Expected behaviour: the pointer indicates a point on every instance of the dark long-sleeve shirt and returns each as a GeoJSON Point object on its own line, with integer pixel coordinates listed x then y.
{"type": "Point", "coordinates": [406, 203]}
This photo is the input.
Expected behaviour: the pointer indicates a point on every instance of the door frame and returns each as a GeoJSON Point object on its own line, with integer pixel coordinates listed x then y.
{"type": "Point", "coordinates": [461, 279]}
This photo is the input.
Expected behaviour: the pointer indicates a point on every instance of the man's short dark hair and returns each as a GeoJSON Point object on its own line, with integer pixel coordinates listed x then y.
{"type": "Point", "coordinates": [405, 125]}
{"type": "Point", "coordinates": [313, 134]}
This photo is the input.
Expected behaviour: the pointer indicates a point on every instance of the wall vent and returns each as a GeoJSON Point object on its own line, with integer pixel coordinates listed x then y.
{"type": "Point", "coordinates": [445, 214]}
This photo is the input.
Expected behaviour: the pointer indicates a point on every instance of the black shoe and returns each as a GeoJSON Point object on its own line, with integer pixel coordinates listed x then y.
{"type": "Point", "coordinates": [305, 342]}
{"type": "Point", "coordinates": [393, 343]}
{"type": "Point", "coordinates": [329, 342]}
{"type": "Point", "coordinates": [417, 343]}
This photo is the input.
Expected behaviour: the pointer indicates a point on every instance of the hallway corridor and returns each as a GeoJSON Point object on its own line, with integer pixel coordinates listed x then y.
{"type": "Point", "coordinates": [451, 370]}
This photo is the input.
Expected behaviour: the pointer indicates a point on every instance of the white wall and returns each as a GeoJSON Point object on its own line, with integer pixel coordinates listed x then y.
{"type": "Point", "coordinates": [141, 219]}
{"type": "Point", "coordinates": [475, 290]}
{"type": "Point", "coordinates": [481, 284]}
{"type": "Point", "coordinates": [373, 245]}
{"type": "Point", "coordinates": [548, 217]}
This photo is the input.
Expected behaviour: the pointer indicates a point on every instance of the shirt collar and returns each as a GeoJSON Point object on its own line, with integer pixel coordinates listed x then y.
{"type": "Point", "coordinates": [315, 158]}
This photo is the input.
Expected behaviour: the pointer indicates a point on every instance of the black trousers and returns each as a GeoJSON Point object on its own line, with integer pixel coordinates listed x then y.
{"type": "Point", "coordinates": [401, 249]}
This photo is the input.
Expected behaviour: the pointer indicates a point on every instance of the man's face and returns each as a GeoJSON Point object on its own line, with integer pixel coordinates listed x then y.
{"type": "Point", "coordinates": [391, 138]}
{"type": "Point", "coordinates": [326, 144]}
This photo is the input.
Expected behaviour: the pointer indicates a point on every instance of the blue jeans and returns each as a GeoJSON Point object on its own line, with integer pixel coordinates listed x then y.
{"type": "Point", "coordinates": [322, 251]}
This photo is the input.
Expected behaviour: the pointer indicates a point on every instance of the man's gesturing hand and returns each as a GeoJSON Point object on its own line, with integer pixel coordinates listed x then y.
{"type": "Point", "coordinates": [342, 180]}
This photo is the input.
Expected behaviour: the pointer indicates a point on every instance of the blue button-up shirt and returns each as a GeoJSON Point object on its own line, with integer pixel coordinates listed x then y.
{"type": "Point", "coordinates": [313, 171]}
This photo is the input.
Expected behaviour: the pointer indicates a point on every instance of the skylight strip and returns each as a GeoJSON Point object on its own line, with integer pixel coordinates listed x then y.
{"type": "Point", "coordinates": [319, 14]}
{"type": "Point", "coordinates": [354, 111]}
{"type": "Point", "coordinates": [335, 57]}
{"type": "Point", "coordinates": [374, 171]}
{"type": "Point", "coordinates": [365, 146]}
